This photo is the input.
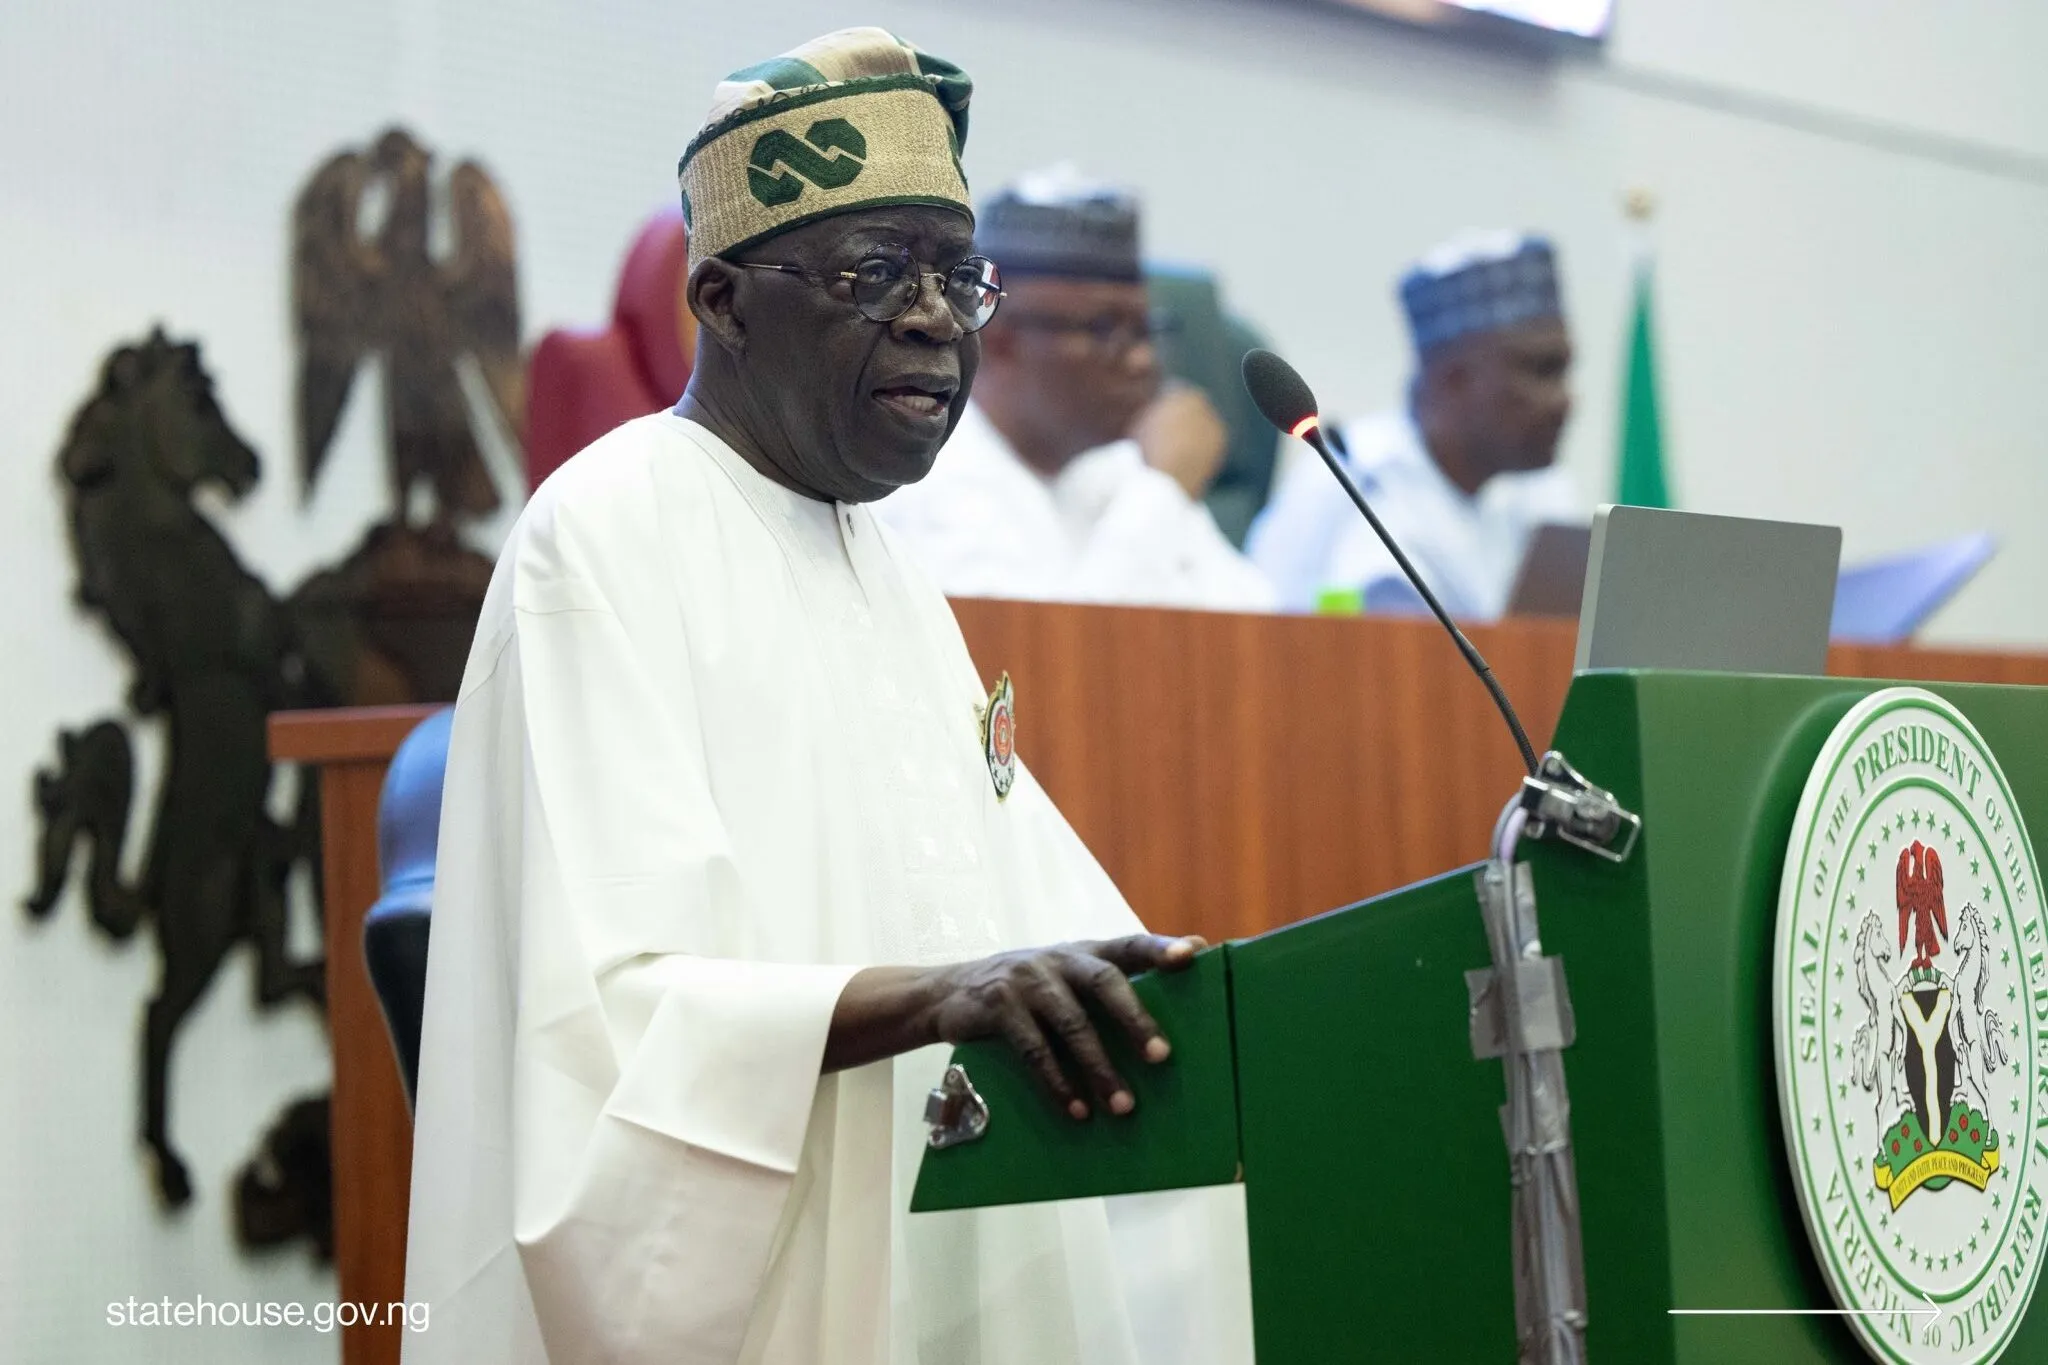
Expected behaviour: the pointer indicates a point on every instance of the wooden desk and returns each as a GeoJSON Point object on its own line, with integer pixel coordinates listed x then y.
{"type": "Point", "coordinates": [1233, 773]}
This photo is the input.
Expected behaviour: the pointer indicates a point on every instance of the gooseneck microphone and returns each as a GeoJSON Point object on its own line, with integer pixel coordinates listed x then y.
{"type": "Point", "coordinates": [1283, 396]}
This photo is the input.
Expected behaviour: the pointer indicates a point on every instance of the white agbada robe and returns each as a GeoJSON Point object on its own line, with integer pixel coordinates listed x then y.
{"type": "Point", "coordinates": [1108, 528]}
{"type": "Point", "coordinates": [1468, 549]}
{"type": "Point", "coordinates": [716, 748]}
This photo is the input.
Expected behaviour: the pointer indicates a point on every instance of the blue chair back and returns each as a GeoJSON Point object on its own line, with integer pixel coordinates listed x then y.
{"type": "Point", "coordinates": [395, 931]}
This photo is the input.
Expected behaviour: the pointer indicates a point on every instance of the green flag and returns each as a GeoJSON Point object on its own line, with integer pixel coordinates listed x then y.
{"type": "Point", "coordinates": [1639, 479]}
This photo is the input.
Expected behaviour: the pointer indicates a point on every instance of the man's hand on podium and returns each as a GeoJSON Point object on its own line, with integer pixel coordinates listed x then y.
{"type": "Point", "coordinates": [1029, 997]}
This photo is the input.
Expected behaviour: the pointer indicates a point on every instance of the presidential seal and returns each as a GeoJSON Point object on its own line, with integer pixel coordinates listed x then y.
{"type": "Point", "coordinates": [1911, 965]}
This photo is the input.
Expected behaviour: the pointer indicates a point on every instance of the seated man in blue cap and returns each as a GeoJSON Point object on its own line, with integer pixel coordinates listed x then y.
{"type": "Point", "coordinates": [1462, 475]}
{"type": "Point", "coordinates": [1078, 472]}
{"type": "Point", "coordinates": [735, 843]}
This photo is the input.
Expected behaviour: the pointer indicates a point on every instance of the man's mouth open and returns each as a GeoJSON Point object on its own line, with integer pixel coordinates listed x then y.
{"type": "Point", "coordinates": [914, 401]}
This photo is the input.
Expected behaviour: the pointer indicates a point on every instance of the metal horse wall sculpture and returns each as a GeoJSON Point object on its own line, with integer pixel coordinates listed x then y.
{"type": "Point", "coordinates": [213, 652]}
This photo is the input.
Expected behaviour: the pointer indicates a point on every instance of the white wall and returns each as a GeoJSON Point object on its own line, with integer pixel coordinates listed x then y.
{"type": "Point", "coordinates": [1853, 286]}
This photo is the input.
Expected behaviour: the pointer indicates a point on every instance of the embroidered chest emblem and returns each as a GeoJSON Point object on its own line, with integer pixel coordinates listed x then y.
{"type": "Point", "coordinates": [999, 736]}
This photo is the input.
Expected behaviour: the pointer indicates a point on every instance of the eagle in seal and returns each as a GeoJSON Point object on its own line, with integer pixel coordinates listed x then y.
{"type": "Point", "coordinates": [1920, 903]}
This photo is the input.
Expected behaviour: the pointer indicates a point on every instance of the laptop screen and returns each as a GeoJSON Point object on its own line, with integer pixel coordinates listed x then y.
{"type": "Point", "coordinates": [1682, 590]}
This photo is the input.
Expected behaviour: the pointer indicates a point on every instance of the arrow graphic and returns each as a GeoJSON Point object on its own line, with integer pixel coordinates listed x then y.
{"type": "Point", "coordinates": [1932, 1312]}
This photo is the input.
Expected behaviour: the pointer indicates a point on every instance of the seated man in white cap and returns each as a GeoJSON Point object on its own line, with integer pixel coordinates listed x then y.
{"type": "Point", "coordinates": [1075, 475]}
{"type": "Point", "coordinates": [1466, 472]}
{"type": "Point", "coordinates": [734, 842]}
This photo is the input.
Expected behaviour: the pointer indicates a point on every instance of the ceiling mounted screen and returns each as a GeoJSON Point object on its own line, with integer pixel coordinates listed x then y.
{"type": "Point", "coordinates": [1575, 18]}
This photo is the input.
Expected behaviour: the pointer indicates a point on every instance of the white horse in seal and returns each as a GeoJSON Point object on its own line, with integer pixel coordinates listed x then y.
{"type": "Point", "coordinates": [1980, 1045]}
{"type": "Point", "coordinates": [1875, 1066]}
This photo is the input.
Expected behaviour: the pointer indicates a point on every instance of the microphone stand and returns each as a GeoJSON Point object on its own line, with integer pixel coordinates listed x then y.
{"type": "Point", "coordinates": [1520, 1010]}
{"type": "Point", "coordinates": [1311, 430]}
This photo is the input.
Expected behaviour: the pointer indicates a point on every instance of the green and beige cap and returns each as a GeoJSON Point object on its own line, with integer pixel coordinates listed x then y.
{"type": "Point", "coordinates": [856, 119]}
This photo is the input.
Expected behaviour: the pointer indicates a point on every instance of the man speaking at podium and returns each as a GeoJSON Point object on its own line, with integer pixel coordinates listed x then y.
{"type": "Point", "coordinates": [718, 753]}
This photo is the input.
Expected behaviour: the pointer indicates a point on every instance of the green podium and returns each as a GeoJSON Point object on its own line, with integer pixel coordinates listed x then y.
{"type": "Point", "coordinates": [1330, 1066]}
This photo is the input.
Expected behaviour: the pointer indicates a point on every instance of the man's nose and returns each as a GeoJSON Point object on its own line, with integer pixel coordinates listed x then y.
{"type": "Point", "coordinates": [929, 319]}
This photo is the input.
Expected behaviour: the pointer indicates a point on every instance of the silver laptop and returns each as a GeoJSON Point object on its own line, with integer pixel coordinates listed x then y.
{"type": "Point", "coordinates": [1723, 594]}
{"type": "Point", "coordinates": [1553, 577]}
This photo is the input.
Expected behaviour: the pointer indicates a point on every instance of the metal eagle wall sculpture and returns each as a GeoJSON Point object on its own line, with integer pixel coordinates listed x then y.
{"type": "Point", "coordinates": [360, 294]}
{"type": "Point", "coordinates": [405, 602]}
{"type": "Point", "coordinates": [212, 650]}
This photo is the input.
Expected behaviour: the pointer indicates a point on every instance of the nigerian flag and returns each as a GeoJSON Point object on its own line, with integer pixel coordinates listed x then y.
{"type": "Point", "coordinates": [1639, 479]}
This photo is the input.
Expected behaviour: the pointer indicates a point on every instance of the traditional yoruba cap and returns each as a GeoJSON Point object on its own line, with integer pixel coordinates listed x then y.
{"type": "Point", "coordinates": [1480, 282]}
{"type": "Point", "coordinates": [856, 119]}
{"type": "Point", "coordinates": [1056, 222]}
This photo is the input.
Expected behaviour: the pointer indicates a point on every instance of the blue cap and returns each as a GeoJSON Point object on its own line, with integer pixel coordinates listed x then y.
{"type": "Point", "coordinates": [1058, 222]}
{"type": "Point", "coordinates": [1480, 282]}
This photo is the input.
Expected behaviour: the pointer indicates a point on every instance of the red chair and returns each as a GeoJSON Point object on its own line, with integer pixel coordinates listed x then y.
{"type": "Point", "coordinates": [581, 384]}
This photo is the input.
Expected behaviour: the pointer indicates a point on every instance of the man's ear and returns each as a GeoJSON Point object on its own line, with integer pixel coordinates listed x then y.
{"type": "Point", "coordinates": [714, 297]}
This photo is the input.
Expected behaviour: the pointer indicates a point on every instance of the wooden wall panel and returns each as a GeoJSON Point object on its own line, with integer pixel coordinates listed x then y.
{"type": "Point", "coordinates": [1233, 773]}
{"type": "Point", "coordinates": [1938, 665]}
{"type": "Point", "coordinates": [371, 1125]}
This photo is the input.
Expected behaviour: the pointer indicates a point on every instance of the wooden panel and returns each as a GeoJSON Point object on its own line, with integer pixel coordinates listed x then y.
{"type": "Point", "coordinates": [1236, 773]}
{"type": "Point", "coordinates": [1233, 773]}
{"type": "Point", "coordinates": [360, 732]}
{"type": "Point", "coordinates": [1937, 665]}
{"type": "Point", "coordinates": [372, 1126]}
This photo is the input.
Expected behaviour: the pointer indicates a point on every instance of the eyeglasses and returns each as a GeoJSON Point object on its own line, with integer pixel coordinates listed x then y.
{"type": "Point", "coordinates": [1108, 334]}
{"type": "Point", "coordinates": [887, 284]}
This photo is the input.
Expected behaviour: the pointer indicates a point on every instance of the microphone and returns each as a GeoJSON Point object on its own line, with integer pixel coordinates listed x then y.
{"type": "Point", "coordinates": [1286, 401]}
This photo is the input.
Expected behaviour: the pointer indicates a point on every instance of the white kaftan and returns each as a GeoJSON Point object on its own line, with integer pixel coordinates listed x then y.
{"type": "Point", "coordinates": [1108, 528]}
{"type": "Point", "coordinates": [1468, 549]}
{"type": "Point", "coordinates": [716, 749]}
